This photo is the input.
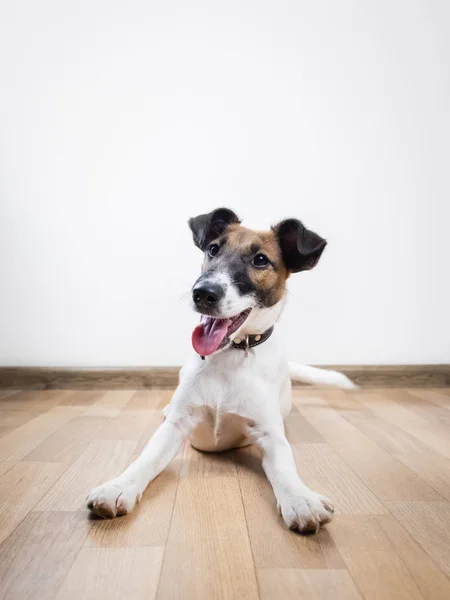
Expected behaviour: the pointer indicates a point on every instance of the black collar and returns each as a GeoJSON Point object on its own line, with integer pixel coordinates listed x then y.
{"type": "Point", "coordinates": [250, 341]}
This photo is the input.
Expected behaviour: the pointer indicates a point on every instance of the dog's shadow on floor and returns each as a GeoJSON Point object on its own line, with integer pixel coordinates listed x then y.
{"type": "Point", "coordinates": [229, 462]}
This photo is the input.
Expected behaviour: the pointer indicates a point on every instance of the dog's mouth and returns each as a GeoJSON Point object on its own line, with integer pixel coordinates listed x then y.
{"type": "Point", "coordinates": [213, 334]}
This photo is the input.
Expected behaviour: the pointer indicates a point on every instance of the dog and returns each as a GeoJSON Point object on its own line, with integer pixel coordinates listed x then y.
{"type": "Point", "coordinates": [236, 389]}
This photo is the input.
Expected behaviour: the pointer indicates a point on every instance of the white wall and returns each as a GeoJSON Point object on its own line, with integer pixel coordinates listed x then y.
{"type": "Point", "coordinates": [119, 120]}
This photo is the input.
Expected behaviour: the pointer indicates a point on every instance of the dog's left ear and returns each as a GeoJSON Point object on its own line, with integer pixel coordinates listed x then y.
{"type": "Point", "coordinates": [206, 228]}
{"type": "Point", "coordinates": [300, 247]}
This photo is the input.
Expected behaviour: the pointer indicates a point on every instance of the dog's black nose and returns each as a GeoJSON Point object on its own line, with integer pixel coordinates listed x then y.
{"type": "Point", "coordinates": [207, 295]}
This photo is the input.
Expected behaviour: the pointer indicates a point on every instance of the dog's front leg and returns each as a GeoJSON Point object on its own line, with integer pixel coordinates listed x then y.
{"type": "Point", "coordinates": [119, 496]}
{"type": "Point", "coordinates": [302, 509]}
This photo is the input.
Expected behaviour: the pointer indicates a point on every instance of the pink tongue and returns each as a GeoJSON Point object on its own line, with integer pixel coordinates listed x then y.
{"type": "Point", "coordinates": [208, 336]}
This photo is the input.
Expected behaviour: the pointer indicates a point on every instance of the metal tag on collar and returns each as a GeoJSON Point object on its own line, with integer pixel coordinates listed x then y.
{"type": "Point", "coordinates": [247, 345]}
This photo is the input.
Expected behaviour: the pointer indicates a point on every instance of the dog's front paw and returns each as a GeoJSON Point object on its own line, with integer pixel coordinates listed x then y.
{"type": "Point", "coordinates": [113, 499]}
{"type": "Point", "coordinates": [307, 512]}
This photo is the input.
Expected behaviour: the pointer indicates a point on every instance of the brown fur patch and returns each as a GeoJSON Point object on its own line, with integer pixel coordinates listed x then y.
{"type": "Point", "coordinates": [240, 245]}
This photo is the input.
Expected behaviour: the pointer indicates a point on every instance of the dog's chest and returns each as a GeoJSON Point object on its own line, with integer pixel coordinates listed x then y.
{"type": "Point", "coordinates": [232, 377]}
{"type": "Point", "coordinates": [238, 389]}
{"type": "Point", "coordinates": [232, 395]}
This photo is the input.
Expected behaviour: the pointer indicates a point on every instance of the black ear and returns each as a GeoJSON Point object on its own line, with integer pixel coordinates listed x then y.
{"type": "Point", "coordinates": [301, 248]}
{"type": "Point", "coordinates": [206, 228]}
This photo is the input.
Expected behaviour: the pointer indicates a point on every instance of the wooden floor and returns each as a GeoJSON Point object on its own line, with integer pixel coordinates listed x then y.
{"type": "Point", "coordinates": [208, 527]}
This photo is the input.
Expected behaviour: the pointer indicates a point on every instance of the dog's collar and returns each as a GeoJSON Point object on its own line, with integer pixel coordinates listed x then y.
{"type": "Point", "coordinates": [250, 341]}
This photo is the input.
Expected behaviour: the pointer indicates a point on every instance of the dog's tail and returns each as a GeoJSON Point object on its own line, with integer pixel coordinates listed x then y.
{"type": "Point", "coordinates": [316, 376]}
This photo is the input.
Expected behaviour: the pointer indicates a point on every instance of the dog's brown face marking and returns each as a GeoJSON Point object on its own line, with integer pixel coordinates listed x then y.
{"type": "Point", "coordinates": [242, 252]}
{"type": "Point", "coordinates": [255, 263]}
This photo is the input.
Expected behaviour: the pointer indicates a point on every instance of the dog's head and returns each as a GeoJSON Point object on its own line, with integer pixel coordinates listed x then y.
{"type": "Point", "coordinates": [244, 271]}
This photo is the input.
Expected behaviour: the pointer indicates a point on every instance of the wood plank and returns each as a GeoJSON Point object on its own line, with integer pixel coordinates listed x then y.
{"type": "Point", "coordinates": [102, 460]}
{"type": "Point", "coordinates": [110, 404]}
{"type": "Point", "coordinates": [82, 398]}
{"type": "Point", "coordinates": [387, 435]}
{"type": "Point", "coordinates": [319, 413]}
{"type": "Point", "coordinates": [126, 425]}
{"type": "Point", "coordinates": [373, 563]}
{"type": "Point", "coordinates": [113, 574]}
{"type": "Point", "coordinates": [326, 473]}
{"type": "Point", "coordinates": [273, 544]}
{"type": "Point", "coordinates": [69, 441]}
{"type": "Point", "coordinates": [12, 419]}
{"type": "Point", "coordinates": [148, 400]}
{"type": "Point", "coordinates": [432, 582]}
{"type": "Point", "coordinates": [382, 403]}
{"type": "Point", "coordinates": [384, 475]}
{"type": "Point", "coordinates": [330, 552]}
{"type": "Point", "coordinates": [5, 430]}
{"type": "Point", "coordinates": [390, 407]}
{"type": "Point", "coordinates": [439, 397]}
{"type": "Point", "coordinates": [306, 584]}
{"type": "Point", "coordinates": [436, 436]}
{"type": "Point", "coordinates": [14, 446]}
{"type": "Point", "coordinates": [36, 400]}
{"type": "Point", "coordinates": [208, 522]}
{"type": "Point", "coordinates": [342, 401]}
{"type": "Point", "coordinates": [35, 558]}
{"type": "Point", "coordinates": [428, 523]}
{"type": "Point", "coordinates": [427, 410]}
{"type": "Point", "coordinates": [21, 488]}
{"type": "Point", "coordinates": [309, 397]}
{"type": "Point", "coordinates": [207, 464]}
{"type": "Point", "coordinates": [429, 465]}
{"type": "Point", "coordinates": [432, 467]}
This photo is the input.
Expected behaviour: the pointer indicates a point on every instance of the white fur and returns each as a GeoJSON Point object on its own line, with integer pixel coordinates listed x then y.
{"type": "Point", "coordinates": [317, 376]}
{"type": "Point", "coordinates": [226, 401]}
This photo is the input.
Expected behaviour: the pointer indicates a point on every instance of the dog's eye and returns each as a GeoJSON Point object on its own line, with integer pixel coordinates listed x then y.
{"type": "Point", "coordinates": [213, 250]}
{"type": "Point", "coordinates": [260, 261]}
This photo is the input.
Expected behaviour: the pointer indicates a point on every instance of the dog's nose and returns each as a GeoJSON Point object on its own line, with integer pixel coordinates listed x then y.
{"type": "Point", "coordinates": [207, 295]}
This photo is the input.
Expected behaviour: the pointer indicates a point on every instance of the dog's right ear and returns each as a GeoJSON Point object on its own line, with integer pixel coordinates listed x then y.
{"type": "Point", "coordinates": [206, 228]}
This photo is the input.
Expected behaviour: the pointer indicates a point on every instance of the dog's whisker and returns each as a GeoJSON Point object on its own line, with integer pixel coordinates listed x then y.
{"type": "Point", "coordinates": [185, 296]}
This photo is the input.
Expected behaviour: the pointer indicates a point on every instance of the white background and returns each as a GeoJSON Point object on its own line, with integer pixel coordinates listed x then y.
{"type": "Point", "coordinates": [119, 120]}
